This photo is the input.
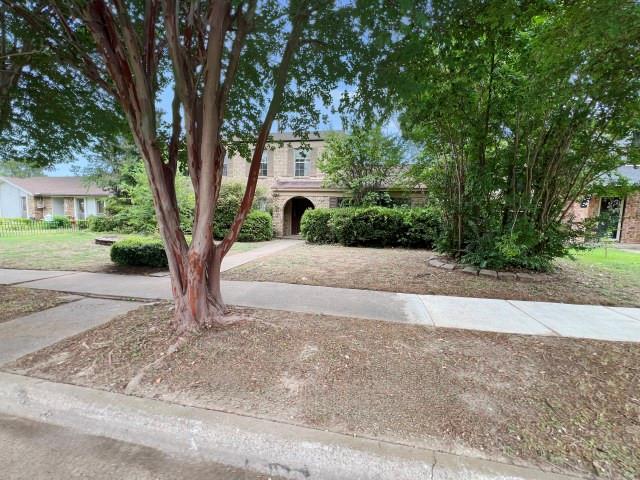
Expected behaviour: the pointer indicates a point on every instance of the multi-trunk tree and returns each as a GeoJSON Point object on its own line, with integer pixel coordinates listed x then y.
{"type": "Point", "coordinates": [234, 67]}
{"type": "Point", "coordinates": [518, 106]}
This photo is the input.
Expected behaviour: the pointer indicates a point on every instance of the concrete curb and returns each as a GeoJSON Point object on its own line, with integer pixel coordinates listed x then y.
{"type": "Point", "coordinates": [261, 445]}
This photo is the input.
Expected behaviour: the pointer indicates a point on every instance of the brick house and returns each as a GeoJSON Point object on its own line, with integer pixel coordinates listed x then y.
{"type": "Point", "coordinates": [43, 197]}
{"type": "Point", "coordinates": [293, 181]}
{"type": "Point", "coordinates": [625, 209]}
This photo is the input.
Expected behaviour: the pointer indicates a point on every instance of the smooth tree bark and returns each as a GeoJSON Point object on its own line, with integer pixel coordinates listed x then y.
{"type": "Point", "coordinates": [195, 268]}
{"type": "Point", "coordinates": [204, 43]}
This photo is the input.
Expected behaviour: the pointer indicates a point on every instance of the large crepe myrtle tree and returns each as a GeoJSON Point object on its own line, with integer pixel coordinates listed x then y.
{"type": "Point", "coordinates": [234, 68]}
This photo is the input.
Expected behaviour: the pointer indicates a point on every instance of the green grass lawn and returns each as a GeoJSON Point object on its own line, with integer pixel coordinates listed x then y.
{"type": "Point", "coordinates": [67, 251]}
{"type": "Point", "coordinates": [613, 259]}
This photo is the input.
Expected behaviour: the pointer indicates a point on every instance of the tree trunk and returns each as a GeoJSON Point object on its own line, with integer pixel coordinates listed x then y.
{"type": "Point", "coordinates": [200, 304]}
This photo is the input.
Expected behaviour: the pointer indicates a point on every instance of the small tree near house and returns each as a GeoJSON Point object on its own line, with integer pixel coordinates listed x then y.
{"type": "Point", "coordinates": [363, 162]}
{"type": "Point", "coordinates": [235, 67]}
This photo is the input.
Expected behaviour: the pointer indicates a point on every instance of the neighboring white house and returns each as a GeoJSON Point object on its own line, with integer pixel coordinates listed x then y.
{"type": "Point", "coordinates": [43, 197]}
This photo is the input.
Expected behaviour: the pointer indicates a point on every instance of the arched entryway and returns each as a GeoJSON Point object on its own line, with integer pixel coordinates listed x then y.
{"type": "Point", "coordinates": [293, 211]}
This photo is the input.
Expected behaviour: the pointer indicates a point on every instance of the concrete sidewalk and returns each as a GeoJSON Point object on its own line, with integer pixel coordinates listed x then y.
{"type": "Point", "coordinates": [30, 333]}
{"type": "Point", "coordinates": [530, 318]}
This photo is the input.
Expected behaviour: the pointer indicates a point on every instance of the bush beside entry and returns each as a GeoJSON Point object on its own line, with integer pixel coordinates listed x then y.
{"type": "Point", "coordinates": [139, 252]}
{"type": "Point", "coordinates": [258, 227]}
{"type": "Point", "coordinates": [373, 226]}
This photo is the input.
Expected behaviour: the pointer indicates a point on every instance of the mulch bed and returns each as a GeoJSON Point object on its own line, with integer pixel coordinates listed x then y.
{"type": "Point", "coordinates": [17, 302]}
{"type": "Point", "coordinates": [561, 404]}
{"type": "Point", "coordinates": [408, 271]}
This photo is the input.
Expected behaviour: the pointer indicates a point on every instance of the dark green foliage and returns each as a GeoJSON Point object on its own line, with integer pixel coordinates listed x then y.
{"type": "Point", "coordinates": [59, 221]}
{"type": "Point", "coordinates": [517, 108]}
{"type": "Point", "coordinates": [228, 205]}
{"type": "Point", "coordinates": [523, 248]}
{"type": "Point", "coordinates": [373, 226]}
{"type": "Point", "coordinates": [226, 208]}
{"type": "Point", "coordinates": [139, 252]}
{"type": "Point", "coordinates": [363, 162]}
{"type": "Point", "coordinates": [314, 226]}
{"type": "Point", "coordinates": [102, 223]}
{"type": "Point", "coordinates": [48, 111]}
{"type": "Point", "coordinates": [423, 227]}
{"type": "Point", "coordinates": [368, 226]}
{"type": "Point", "coordinates": [257, 227]}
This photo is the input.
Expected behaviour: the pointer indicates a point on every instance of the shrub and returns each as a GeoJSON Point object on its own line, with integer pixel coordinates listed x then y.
{"type": "Point", "coordinates": [228, 205]}
{"type": "Point", "coordinates": [140, 252]}
{"type": "Point", "coordinates": [257, 227]}
{"type": "Point", "coordinates": [369, 226]}
{"type": "Point", "coordinates": [58, 221]}
{"type": "Point", "coordinates": [423, 227]}
{"type": "Point", "coordinates": [314, 226]}
{"type": "Point", "coordinates": [373, 226]}
{"type": "Point", "coordinates": [523, 248]}
{"type": "Point", "coordinates": [103, 223]}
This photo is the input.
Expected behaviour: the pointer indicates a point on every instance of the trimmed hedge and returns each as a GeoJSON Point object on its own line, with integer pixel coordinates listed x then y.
{"type": "Point", "coordinates": [314, 226]}
{"type": "Point", "coordinates": [373, 226]}
{"type": "Point", "coordinates": [257, 227]}
{"type": "Point", "coordinates": [139, 252]}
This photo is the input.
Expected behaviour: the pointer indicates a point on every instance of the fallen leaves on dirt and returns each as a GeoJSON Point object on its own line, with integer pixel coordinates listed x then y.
{"type": "Point", "coordinates": [561, 404]}
{"type": "Point", "coordinates": [17, 302]}
{"type": "Point", "coordinates": [407, 271]}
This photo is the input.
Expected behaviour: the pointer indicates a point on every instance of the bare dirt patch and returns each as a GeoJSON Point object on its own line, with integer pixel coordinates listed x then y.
{"type": "Point", "coordinates": [16, 302]}
{"type": "Point", "coordinates": [407, 271]}
{"type": "Point", "coordinates": [561, 404]}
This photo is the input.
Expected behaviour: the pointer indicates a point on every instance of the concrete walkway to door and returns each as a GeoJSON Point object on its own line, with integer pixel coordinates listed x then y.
{"type": "Point", "coordinates": [234, 260]}
{"type": "Point", "coordinates": [507, 316]}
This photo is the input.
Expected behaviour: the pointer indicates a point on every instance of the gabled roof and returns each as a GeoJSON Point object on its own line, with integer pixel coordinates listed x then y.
{"type": "Point", "coordinates": [56, 186]}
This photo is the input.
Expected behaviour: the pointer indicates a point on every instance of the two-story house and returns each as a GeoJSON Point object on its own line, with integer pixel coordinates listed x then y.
{"type": "Point", "coordinates": [291, 177]}
{"type": "Point", "coordinates": [293, 181]}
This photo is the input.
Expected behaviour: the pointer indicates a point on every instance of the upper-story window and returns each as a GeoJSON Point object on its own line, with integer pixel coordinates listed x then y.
{"type": "Point", "coordinates": [225, 166]}
{"type": "Point", "coordinates": [264, 165]}
{"type": "Point", "coordinates": [301, 162]}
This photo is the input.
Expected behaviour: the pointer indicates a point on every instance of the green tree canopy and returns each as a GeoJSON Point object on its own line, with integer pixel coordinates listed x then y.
{"type": "Point", "coordinates": [48, 112]}
{"type": "Point", "coordinates": [362, 162]}
{"type": "Point", "coordinates": [236, 67]}
{"type": "Point", "coordinates": [519, 106]}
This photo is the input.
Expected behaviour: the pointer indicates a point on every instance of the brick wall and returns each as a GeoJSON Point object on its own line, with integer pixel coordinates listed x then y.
{"type": "Point", "coordinates": [580, 213]}
{"type": "Point", "coordinates": [282, 213]}
{"type": "Point", "coordinates": [280, 158]}
{"type": "Point", "coordinates": [630, 230]}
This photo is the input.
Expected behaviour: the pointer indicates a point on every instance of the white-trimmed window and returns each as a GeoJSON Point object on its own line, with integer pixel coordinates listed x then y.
{"type": "Point", "coordinates": [99, 207]}
{"type": "Point", "coordinates": [264, 165]}
{"type": "Point", "coordinates": [225, 166]}
{"type": "Point", "coordinates": [301, 163]}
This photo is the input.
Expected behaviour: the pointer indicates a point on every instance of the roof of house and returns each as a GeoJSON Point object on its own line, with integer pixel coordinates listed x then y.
{"type": "Point", "coordinates": [299, 184]}
{"type": "Point", "coordinates": [630, 172]}
{"type": "Point", "coordinates": [290, 137]}
{"type": "Point", "coordinates": [57, 186]}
